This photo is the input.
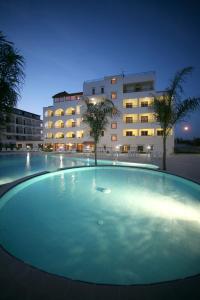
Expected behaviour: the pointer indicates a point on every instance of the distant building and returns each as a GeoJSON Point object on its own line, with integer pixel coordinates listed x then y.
{"type": "Point", "coordinates": [135, 129]}
{"type": "Point", "coordinates": [22, 130]}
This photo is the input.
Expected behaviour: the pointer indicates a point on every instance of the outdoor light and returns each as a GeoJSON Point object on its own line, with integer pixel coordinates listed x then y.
{"type": "Point", "coordinates": [117, 147]}
{"type": "Point", "coordinates": [148, 147]}
{"type": "Point", "coordinates": [186, 128]}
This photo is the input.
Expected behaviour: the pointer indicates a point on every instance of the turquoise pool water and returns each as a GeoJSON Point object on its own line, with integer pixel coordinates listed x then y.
{"type": "Point", "coordinates": [15, 166]}
{"type": "Point", "coordinates": [114, 225]}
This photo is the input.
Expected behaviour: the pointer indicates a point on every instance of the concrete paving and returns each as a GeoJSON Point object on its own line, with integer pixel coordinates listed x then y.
{"type": "Point", "coordinates": [20, 281]}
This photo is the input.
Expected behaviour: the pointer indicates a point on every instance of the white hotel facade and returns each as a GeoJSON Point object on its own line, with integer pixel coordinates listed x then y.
{"type": "Point", "coordinates": [135, 129]}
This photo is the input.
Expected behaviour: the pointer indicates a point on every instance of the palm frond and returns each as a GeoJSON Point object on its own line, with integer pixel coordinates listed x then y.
{"type": "Point", "coordinates": [175, 89]}
{"type": "Point", "coordinates": [185, 107]}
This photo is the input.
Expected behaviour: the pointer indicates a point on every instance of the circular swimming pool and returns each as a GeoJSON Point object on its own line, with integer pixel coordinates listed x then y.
{"type": "Point", "coordinates": [113, 225]}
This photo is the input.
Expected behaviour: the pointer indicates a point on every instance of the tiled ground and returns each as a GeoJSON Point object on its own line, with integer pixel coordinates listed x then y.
{"type": "Point", "coordinates": [18, 281]}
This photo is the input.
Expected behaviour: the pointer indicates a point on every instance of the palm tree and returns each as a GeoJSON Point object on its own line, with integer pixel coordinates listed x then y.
{"type": "Point", "coordinates": [171, 109]}
{"type": "Point", "coordinates": [96, 116]}
{"type": "Point", "coordinates": [11, 77]}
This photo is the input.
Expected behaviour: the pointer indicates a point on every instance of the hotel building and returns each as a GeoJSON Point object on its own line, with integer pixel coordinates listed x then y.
{"type": "Point", "coordinates": [134, 129]}
{"type": "Point", "coordinates": [22, 130]}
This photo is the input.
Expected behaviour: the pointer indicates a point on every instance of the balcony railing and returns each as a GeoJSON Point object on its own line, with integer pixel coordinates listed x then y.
{"type": "Point", "coordinates": [140, 121]}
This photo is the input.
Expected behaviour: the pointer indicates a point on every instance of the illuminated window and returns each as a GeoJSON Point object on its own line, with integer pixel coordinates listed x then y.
{"type": "Point", "coordinates": [144, 104]}
{"type": "Point", "coordinates": [129, 105]}
{"type": "Point", "coordinates": [113, 95]}
{"type": "Point", "coordinates": [48, 113]}
{"type": "Point", "coordinates": [129, 133]}
{"type": "Point", "coordinates": [59, 135]}
{"type": "Point", "coordinates": [144, 132]}
{"type": "Point", "coordinates": [129, 120]}
{"type": "Point", "coordinates": [70, 123]}
{"type": "Point", "coordinates": [144, 119]}
{"type": "Point", "coordinates": [113, 81]}
{"type": "Point", "coordinates": [113, 137]}
{"type": "Point", "coordinates": [70, 135]}
{"type": "Point", "coordinates": [59, 124]}
{"type": "Point", "coordinates": [70, 111]}
{"type": "Point", "coordinates": [49, 135]}
{"type": "Point", "coordinates": [59, 112]}
{"type": "Point", "coordinates": [114, 125]}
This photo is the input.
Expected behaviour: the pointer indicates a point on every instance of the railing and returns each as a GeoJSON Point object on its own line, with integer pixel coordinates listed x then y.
{"type": "Point", "coordinates": [121, 75]}
{"type": "Point", "coordinates": [140, 121]}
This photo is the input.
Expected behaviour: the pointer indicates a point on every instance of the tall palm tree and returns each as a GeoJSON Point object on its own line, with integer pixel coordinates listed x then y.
{"type": "Point", "coordinates": [170, 108]}
{"type": "Point", "coordinates": [11, 76]}
{"type": "Point", "coordinates": [97, 116]}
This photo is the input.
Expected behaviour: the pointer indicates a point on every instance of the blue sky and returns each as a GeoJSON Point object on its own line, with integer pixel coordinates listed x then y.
{"type": "Point", "coordinates": [67, 42]}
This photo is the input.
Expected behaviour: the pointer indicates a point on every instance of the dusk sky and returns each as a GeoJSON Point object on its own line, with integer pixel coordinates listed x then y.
{"type": "Point", "coordinates": [67, 42]}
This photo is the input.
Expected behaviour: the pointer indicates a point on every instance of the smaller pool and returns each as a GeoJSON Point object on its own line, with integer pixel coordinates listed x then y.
{"type": "Point", "coordinates": [15, 166]}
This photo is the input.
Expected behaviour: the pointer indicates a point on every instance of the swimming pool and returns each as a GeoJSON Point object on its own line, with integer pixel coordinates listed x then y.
{"type": "Point", "coordinates": [14, 166]}
{"type": "Point", "coordinates": [113, 225]}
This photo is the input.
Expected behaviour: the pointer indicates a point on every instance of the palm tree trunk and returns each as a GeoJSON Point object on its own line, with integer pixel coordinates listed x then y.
{"type": "Point", "coordinates": [95, 153]}
{"type": "Point", "coordinates": [164, 152]}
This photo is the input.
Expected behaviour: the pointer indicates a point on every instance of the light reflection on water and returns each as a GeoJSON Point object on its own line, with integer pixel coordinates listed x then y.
{"type": "Point", "coordinates": [15, 166]}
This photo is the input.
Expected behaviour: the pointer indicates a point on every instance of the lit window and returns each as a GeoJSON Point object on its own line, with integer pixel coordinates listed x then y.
{"type": "Point", "coordinates": [144, 119]}
{"type": "Point", "coordinates": [129, 120]}
{"type": "Point", "coordinates": [113, 95]}
{"type": "Point", "coordinates": [114, 125]}
{"type": "Point", "coordinates": [113, 137]}
{"type": "Point", "coordinates": [144, 132]}
{"type": "Point", "coordinates": [129, 133]}
{"type": "Point", "coordinates": [129, 105]}
{"type": "Point", "coordinates": [144, 104]}
{"type": "Point", "coordinates": [113, 81]}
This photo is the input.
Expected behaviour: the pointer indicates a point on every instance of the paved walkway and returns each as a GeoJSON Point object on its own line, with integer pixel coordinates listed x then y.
{"type": "Point", "coordinates": [19, 281]}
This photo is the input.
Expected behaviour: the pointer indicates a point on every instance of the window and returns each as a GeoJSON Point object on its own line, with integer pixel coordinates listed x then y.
{"type": "Point", "coordinates": [114, 125]}
{"type": "Point", "coordinates": [160, 132]}
{"type": "Point", "coordinates": [140, 148]}
{"type": "Point", "coordinates": [102, 90]}
{"type": "Point", "coordinates": [144, 119]}
{"type": "Point", "coordinates": [113, 95]}
{"type": "Point", "coordinates": [102, 133]}
{"type": "Point", "coordinates": [129, 120]}
{"type": "Point", "coordinates": [129, 133]}
{"type": "Point", "coordinates": [93, 91]}
{"type": "Point", "coordinates": [113, 81]}
{"type": "Point", "coordinates": [113, 137]}
{"type": "Point", "coordinates": [144, 104]}
{"type": "Point", "coordinates": [129, 105]}
{"type": "Point", "coordinates": [144, 132]}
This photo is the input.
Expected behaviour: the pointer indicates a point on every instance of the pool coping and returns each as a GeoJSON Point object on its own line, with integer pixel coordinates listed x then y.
{"type": "Point", "coordinates": [76, 283]}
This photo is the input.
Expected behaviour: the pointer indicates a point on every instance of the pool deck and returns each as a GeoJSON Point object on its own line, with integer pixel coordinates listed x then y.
{"type": "Point", "coordinates": [20, 281]}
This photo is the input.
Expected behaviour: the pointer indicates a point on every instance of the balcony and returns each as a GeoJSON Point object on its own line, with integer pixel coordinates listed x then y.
{"type": "Point", "coordinates": [138, 87]}
{"type": "Point", "coordinates": [149, 120]}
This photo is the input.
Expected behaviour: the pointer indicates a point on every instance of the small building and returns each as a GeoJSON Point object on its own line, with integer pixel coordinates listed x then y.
{"type": "Point", "coordinates": [22, 130]}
